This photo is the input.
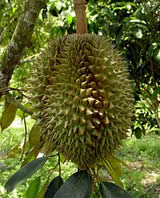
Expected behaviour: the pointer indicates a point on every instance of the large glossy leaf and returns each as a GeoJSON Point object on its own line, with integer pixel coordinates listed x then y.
{"type": "Point", "coordinates": [116, 165]}
{"type": "Point", "coordinates": [33, 188]}
{"type": "Point", "coordinates": [43, 189]}
{"type": "Point", "coordinates": [53, 187]}
{"type": "Point", "coordinates": [34, 136]}
{"type": "Point", "coordinates": [8, 116]}
{"type": "Point", "coordinates": [113, 172]}
{"type": "Point", "coordinates": [27, 171]}
{"type": "Point", "coordinates": [78, 185]}
{"type": "Point", "coordinates": [110, 190]}
{"type": "Point", "coordinates": [32, 154]}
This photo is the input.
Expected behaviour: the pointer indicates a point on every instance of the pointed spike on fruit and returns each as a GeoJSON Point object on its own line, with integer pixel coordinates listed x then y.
{"type": "Point", "coordinates": [87, 52]}
{"type": "Point", "coordinates": [97, 133]}
{"type": "Point", "coordinates": [91, 101]}
{"type": "Point", "coordinates": [86, 64]}
{"type": "Point", "coordinates": [110, 133]}
{"type": "Point", "coordinates": [75, 128]}
{"type": "Point", "coordinates": [96, 122]}
{"type": "Point", "coordinates": [98, 76]}
{"type": "Point", "coordinates": [88, 77]}
{"type": "Point", "coordinates": [66, 112]}
{"type": "Point", "coordinates": [75, 100]}
{"type": "Point", "coordinates": [83, 77]}
{"type": "Point", "coordinates": [89, 112]}
{"type": "Point", "coordinates": [75, 118]}
{"type": "Point", "coordinates": [98, 104]}
{"type": "Point", "coordinates": [81, 130]}
{"type": "Point", "coordinates": [92, 68]}
{"type": "Point", "coordinates": [95, 94]}
{"type": "Point", "coordinates": [93, 85]}
{"type": "Point", "coordinates": [91, 59]}
{"type": "Point", "coordinates": [85, 101]}
{"type": "Point", "coordinates": [83, 70]}
{"type": "Point", "coordinates": [78, 81]}
{"type": "Point", "coordinates": [82, 92]}
{"type": "Point", "coordinates": [102, 92]}
{"type": "Point", "coordinates": [90, 125]}
{"type": "Point", "coordinates": [84, 84]}
{"type": "Point", "coordinates": [89, 140]}
{"type": "Point", "coordinates": [83, 120]}
{"type": "Point", "coordinates": [89, 92]}
{"type": "Point", "coordinates": [82, 139]}
{"type": "Point", "coordinates": [81, 109]}
{"type": "Point", "coordinates": [106, 121]}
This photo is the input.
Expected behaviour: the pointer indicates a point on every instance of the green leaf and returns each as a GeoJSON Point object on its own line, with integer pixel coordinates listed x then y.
{"type": "Point", "coordinates": [155, 94]}
{"type": "Point", "coordinates": [69, 19]}
{"type": "Point", "coordinates": [110, 190]}
{"type": "Point", "coordinates": [27, 171]}
{"type": "Point", "coordinates": [14, 151]}
{"type": "Point", "coordinates": [32, 154]}
{"type": "Point", "coordinates": [113, 173]}
{"type": "Point", "coordinates": [34, 136]}
{"type": "Point", "coordinates": [77, 185]}
{"type": "Point", "coordinates": [33, 188]}
{"type": "Point", "coordinates": [151, 49]}
{"type": "Point", "coordinates": [138, 32]}
{"type": "Point", "coordinates": [43, 189]}
{"type": "Point", "coordinates": [53, 187]}
{"type": "Point", "coordinates": [62, 158]}
{"type": "Point", "coordinates": [8, 116]}
{"type": "Point", "coordinates": [116, 165]}
{"type": "Point", "coordinates": [156, 55]}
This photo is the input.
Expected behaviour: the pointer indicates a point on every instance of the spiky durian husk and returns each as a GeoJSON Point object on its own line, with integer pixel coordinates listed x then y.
{"type": "Point", "coordinates": [82, 97]}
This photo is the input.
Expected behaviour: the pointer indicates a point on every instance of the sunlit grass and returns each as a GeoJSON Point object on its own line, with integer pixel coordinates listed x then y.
{"type": "Point", "coordinates": [143, 156]}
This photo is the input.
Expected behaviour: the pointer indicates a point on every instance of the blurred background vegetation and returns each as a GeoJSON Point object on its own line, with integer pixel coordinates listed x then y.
{"type": "Point", "coordinates": [134, 28]}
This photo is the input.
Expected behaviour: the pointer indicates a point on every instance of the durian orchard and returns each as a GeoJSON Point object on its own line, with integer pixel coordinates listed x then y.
{"type": "Point", "coordinates": [82, 100]}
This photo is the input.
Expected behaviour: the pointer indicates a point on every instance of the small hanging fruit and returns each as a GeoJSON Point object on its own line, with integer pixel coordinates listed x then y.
{"type": "Point", "coordinates": [82, 96]}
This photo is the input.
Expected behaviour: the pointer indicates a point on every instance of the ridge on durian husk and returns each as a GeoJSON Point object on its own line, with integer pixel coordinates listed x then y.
{"type": "Point", "coordinates": [82, 98]}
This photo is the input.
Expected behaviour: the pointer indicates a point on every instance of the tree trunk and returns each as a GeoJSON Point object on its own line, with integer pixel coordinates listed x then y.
{"type": "Point", "coordinates": [20, 40]}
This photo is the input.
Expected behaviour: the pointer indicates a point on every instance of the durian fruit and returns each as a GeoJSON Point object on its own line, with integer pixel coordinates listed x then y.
{"type": "Point", "coordinates": [82, 98]}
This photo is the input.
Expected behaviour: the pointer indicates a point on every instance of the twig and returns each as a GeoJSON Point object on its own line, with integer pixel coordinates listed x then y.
{"type": "Point", "coordinates": [28, 59]}
{"type": "Point", "coordinates": [53, 155]}
{"type": "Point", "coordinates": [59, 164]}
{"type": "Point", "coordinates": [25, 137]}
{"type": "Point", "coordinates": [7, 89]}
{"type": "Point", "coordinates": [52, 169]}
{"type": "Point", "coordinates": [12, 99]}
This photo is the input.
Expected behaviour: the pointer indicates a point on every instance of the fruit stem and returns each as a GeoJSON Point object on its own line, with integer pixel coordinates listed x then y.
{"type": "Point", "coordinates": [80, 8]}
